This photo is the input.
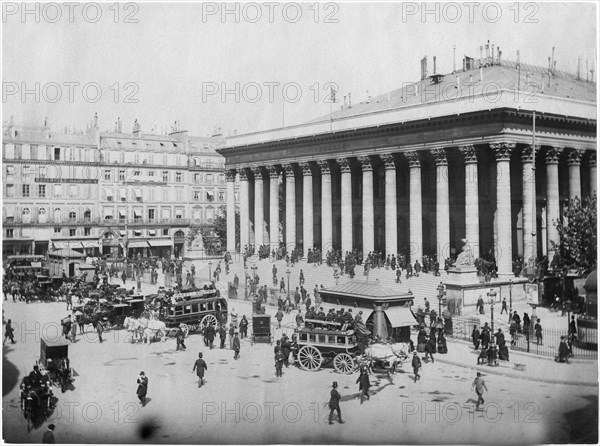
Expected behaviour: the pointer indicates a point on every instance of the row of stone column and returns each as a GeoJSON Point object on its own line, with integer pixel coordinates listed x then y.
{"type": "Point", "coordinates": [503, 235]}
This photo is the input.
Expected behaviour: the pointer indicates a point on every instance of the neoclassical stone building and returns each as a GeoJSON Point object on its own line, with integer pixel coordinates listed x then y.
{"type": "Point", "coordinates": [417, 170]}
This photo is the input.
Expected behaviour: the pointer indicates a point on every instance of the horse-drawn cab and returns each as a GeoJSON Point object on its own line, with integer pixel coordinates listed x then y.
{"type": "Point", "coordinates": [321, 342]}
{"type": "Point", "coordinates": [54, 358]}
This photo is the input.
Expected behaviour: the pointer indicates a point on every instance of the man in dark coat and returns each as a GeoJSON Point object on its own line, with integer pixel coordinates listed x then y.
{"type": "Point", "coordinates": [416, 365]}
{"type": "Point", "coordinates": [286, 349]}
{"type": "Point", "coordinates": [236, 345]}
{"type": "Point", "coordinates": [209, 335]}
{"type": "Point", "coordinates": [421, 339]}
{"type": "Point", "coordinates": [334, 403]}
{"type": "Point", "coordinates": [485, 336]}
{"type": "Point", "coordinates": [142, 389]}
{"type": "Point", "coordinates": [180, 337]}
{"type": "Point", "coordinates": [199, 367]}
{"type": "Point", "coordinates": [279, 359]}
{"type": "Point", "coordinates": [48, 436]}
{"type": "Point", "coordinates": [363, 384]}
{"type": "Point", "coordinates": [563, 350]}
{"type": "Point", "coordinates": [222, 335]}
{"type": "Point", "coordinates": [244, 327]}
{"type": "Point", "coordinates": [430, 348]}
{"type": "Point", "coordinates": [9, 333]}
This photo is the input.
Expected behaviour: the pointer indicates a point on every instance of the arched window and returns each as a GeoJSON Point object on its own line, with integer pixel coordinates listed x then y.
{"type": "Point", "coordinates": [26, 215]}
{"type": "Point", "coordinates": [57, 214]}
{"type": "Point", "coordinates": [42, 215]}
{"type": "Point", "coordinates": [87, 214]}
{"type": "Point", "coordinates": [72, 215]}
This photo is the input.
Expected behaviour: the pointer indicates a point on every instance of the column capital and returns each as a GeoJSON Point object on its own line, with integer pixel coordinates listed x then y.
{"type": "Point", "coordinates": [413, 158]}
{"type": "Point", "coordinates": [592, 158]}
{"type": "Point", "coordinates": [469, 153]}
{"type": "Point", "coordinates": [553, 154]}
{"type": "Point", "coordinates": [230, 174]}
{"type": "Point", "coordinates": [503, 150]}
{"type": "Point", "coordinates": [258, 172]}
{"type": "Point", "coordinates": [306, 168]}
{"type": "Point", "coordinates": [388, 160]}
{"type": "Point", "coordinates": [273, 171]}
{"type": "Point", "coordinates": [574, 156]}
{"type": "Point", "coordinates": [324, 167]}
{"type": "Point", "coordinates": [289, 170]}
{"type": "Point", "coordinates": [345, 165]}
{"type": "Point", "coordinates": [527, 153]}
{"type": "Point", "coordinates": [440, 157]}
{"type": "Point", "coordinates": [365, 163]}
{"type": "Point", "coordinates": [243, 174]}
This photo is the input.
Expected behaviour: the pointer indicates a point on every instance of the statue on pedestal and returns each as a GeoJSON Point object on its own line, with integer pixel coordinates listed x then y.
{"type": "Point", "coordinates": [465, 258]}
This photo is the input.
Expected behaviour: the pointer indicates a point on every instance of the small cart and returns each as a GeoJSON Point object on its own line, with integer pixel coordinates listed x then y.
{"type": "Point", "coordinates": [261, 329]}
{"type": "Point", "coordinates": [54, 357]}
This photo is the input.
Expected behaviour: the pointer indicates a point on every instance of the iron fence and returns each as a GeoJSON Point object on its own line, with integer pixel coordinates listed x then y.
{"type": "Point", "coordinates": [527, 341]}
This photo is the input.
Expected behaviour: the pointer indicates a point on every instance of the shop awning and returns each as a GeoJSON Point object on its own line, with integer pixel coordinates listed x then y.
{"type": "Point", "coordinates": [138, 244]}
{"type": "Point", "coordinates": [138, 193]}
{"type": "Point", "coordinates": [90, 244]}
{"type": "Point", "coordinates": [160, 242]}
{"type": "Point", "coordinates": [9, 212]}
{"type": "Point", "coordinates": [152, 232]}
{"type": "Point", "coordinates": [398, 316]}
{"type": "Point", "coordinates": [122, 233]}
{"type": "Point", "coordinates": [109, 192]}
{"type": "Point", "coordinates": [137, 213]}
{"type": "Point", "coordinates": [64, 245]}
{"type": "Point", "coordinates": [123, 194]}
{"type": "Point", "coordinates": [108, 211]}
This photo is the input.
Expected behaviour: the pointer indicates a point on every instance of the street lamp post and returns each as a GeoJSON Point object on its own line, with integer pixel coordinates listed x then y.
{"type": "Point", "coordinates": [209, 272]}
{"type": "Point", "coordinates": [288, 272]}
{"type": "Point", "coordinates": [254, 268]}
{"type": "Point", "coordinates": [492, 296]}
{"type": "Point", "coordinates": [440, 296]}
{"type": "Point", "coordinates": [245, 282]}
{"type": "Point", "coordinates": [510, 299]}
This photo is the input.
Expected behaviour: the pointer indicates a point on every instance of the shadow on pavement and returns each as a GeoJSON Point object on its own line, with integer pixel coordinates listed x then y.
{"type": "Point", "coordinates": [10, 373]}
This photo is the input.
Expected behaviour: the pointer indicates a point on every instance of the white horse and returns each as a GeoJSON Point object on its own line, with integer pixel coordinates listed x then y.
{"type": "Point", "coordinates": [387, 356]}
{"type": "Point", "coordinates": [134, 327]}
{"type": "Point", "coordinates": [153, 329]}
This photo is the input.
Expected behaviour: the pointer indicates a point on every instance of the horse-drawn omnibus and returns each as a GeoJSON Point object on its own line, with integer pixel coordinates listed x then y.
{"type": "Point", "coordinates": [323, 343]}
{"type": "Point", "coordinates": [196, 309]}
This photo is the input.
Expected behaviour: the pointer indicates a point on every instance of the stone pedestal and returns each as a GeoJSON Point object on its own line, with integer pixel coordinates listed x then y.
{"type": "Point", "coordinates": [194, 254]}
{"type": "Point", "coordinates": [464, 275]}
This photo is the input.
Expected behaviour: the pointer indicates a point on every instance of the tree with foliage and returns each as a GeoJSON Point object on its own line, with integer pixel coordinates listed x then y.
{"type": "Point", "coordinates": [220, 225]}
{"type": "Point", "coordinates": [578, 234]}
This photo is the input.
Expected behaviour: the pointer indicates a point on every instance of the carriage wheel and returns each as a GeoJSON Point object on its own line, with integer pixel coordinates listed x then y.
{"type": "Point", "coordinates": [185, 329]}
{"type": "Point", "coordinates": [193, 328]}
{"type": "Point", "coordinates": [207, 320]}
{"type": "Point", "coordinates": [344, 363]}
{"type": "Point", "coordinates": [310, 358]}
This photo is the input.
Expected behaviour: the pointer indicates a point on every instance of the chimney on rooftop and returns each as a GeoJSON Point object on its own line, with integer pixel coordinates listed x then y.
{"type": "Point", "coordinates": [424, 68]}
{"type": "Point", "coordinates": [349, 100]}
{"type": "Point", "coordinates": [480, 54]}
{"type": "Point", "coordinates": [553, 64]}
{"type": "Point", "coordinates": [499, 56]}
{"type": "Point", "coordinates": [578, 67]}
{"type": "Point", "coordinates": [492, 63]}
{"type": "Point", "coordinates": [344, 102]}
{"type": "Point", "coordinates": [434, 65]}
{"type": "Point", "coordinates": [554, 68]}
{"type": "Point", "coordinates": [137, 129]}
{"type": "Point", "coordinates": [487, 52]}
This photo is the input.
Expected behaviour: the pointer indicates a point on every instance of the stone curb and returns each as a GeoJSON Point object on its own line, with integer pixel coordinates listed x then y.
{"type": "Point", "coordinates": [489, 370]}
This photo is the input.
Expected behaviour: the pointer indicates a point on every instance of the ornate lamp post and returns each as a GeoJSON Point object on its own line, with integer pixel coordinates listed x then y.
{"type": "Point", "coordinates": [492, 297]}
{"type": "Point", "coordinates": [288, 272]}
{"type": "Point", "coordinates": [441, 293]}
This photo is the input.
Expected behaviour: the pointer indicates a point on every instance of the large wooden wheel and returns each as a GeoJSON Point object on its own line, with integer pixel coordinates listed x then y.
{"type": "Point", "coordinates": [310, 358]}
{"type": "Point", "coordinates": [344, 363]}
{"type": "Point", "coordinates": [207, 320]}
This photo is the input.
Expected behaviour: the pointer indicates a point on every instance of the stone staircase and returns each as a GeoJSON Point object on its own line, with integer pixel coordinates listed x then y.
{"type": "Point", "coordinates": [423, 286]}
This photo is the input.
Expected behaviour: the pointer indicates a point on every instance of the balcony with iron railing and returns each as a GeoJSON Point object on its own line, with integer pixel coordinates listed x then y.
{"type": "Point", "coordinates": [20, 222]}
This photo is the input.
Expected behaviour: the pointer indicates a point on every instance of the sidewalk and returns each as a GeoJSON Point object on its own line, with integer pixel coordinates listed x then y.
{"type": "Point", "coordinates": [581, 373]}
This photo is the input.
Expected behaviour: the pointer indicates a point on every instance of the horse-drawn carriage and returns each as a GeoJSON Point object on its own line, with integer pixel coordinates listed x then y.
{"type": "Point", "coordinates": [54, 357]}
{"type": "Point", "coordinates": [321, 342]}
{"type": "Point", "coordinates": [37, 399]}
{"type": "Point", "coordinates": [261, 329]}
{"type": "Point", "coordinates": [324, 343]}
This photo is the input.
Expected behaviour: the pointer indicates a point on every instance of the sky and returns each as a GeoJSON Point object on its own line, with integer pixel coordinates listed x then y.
{"type": "Point", "coordinates": [248, 67]}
